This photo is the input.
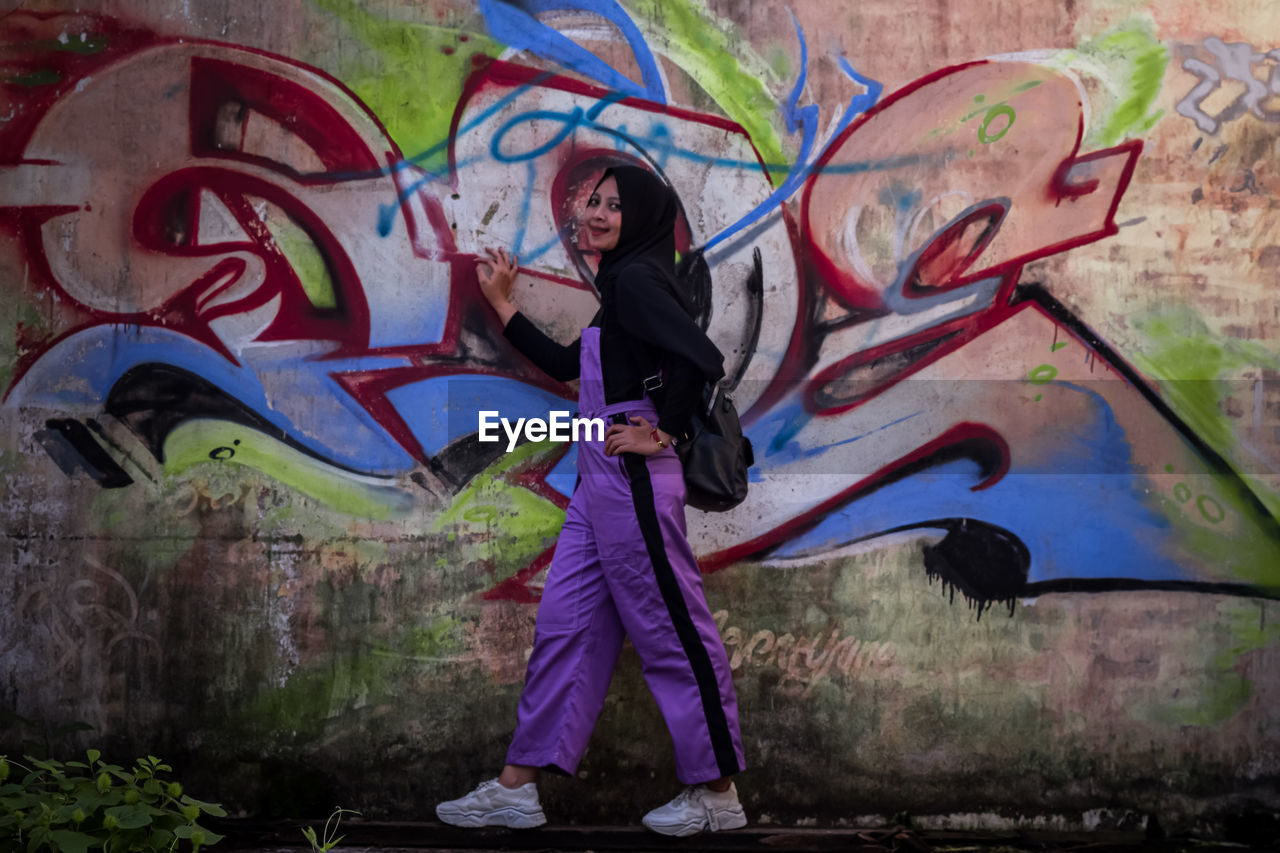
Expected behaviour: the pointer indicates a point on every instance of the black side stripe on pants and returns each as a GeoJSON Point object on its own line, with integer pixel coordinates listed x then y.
{"type": "Point", "coordinates": [678, 610]}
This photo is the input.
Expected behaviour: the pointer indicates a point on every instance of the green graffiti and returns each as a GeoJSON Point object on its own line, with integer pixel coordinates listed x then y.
{"type": "Point", "coordinates": [306, 259]}
{"type": "Point", "coordinates": [81, 43]}
{"type": "Point", "coordinates": [1210, 509]}
{"type": "Point", "coordinates": [1042, 374]}
{"type": "Point", "coordinates": [1189, 363]}
{"type": "Point", "coordinates": [722, 63]}
{"type": "Point", "coordinates": [498, 523]}
{"type": "Point", "coordinates": [206, 442]}
{"type": "Point", "coordinates": [411, 75]}
{"type": "Point", "coordinates": [994, 113]}
{"type": "Point", "coordinates": [1242, 552]}
{"type": "Point", "coordinates": [989, 111]}
{"type": "Point", "coordinates": [1216, 518]}
{"type": "Point", "coordinates": [43, 77]}
{"type": "Point", "coordinates": [1130, 63]}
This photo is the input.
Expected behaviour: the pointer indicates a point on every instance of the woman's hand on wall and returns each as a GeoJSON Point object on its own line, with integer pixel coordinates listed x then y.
{"type": "Point", "coordinates": [497, 276]}
{"type": "Point", "coordinates": [642, 437]}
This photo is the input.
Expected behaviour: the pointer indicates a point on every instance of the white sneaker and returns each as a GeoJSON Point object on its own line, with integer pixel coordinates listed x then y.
{"type": "Point", "coordinates": [696, 809]}
{"type": "Point", "coordinates": [494, 804]}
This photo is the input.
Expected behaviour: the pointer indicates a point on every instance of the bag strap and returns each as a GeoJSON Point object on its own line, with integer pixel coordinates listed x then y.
{"type": "Point", "coordinates": [642, 354]}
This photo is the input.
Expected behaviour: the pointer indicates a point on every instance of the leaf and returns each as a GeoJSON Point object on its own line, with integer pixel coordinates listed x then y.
{"type": "Point", "coordinates": [39, 835]}
{"type": "Point", "coordinates": [131, 817]}
{"type": "Point", "coordinates": [208, 808]}
{"type": "Point", "coordinates": [186, 832]}
{"type": "Point", "coordinates": [91, 801]}
{"type": "Point", "coordinates": [93, 755]}
{"type": "Point", "coordinates": [70, 841]}
{"type": "Point", "coordinates": [64, 812]}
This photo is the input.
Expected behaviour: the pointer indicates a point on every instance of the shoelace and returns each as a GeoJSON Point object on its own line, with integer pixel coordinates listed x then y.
{"type": "Point", "coordinates": [708, 811]}
{"type": "Point", "coordinates": [686, 795]}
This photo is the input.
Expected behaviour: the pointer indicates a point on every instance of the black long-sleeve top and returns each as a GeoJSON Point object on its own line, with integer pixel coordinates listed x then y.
{"type": "Point", "coordinates": [642, 330]}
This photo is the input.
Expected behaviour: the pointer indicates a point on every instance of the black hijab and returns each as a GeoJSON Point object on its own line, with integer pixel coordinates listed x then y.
{"type": "Point", "coordinates": [651, 303]}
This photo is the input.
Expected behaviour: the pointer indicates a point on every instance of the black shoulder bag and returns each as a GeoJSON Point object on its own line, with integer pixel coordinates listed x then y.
{"type": "Point", "coordinates": [716, 455]}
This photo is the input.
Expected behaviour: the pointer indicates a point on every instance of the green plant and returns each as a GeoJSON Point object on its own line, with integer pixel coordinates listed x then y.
{"type": "Point", "coordinates": [74, 806]}
{"type": "Point", "coordinates": [327, 842]}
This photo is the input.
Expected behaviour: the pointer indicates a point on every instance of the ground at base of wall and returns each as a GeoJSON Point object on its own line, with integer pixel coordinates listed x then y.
{"type": "Point", "coordinates": [390, 837]}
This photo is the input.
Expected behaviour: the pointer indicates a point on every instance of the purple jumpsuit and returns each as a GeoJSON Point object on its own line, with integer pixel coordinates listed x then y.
{"type": "Point", "coordinates": [623, 567]}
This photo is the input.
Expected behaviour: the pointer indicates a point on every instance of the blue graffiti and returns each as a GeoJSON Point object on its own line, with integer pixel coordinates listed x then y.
{"type": "Point", "coordinates": [444, 409]}
{"type": "Point", "coordinates": [316, 413]}
{"type": "Point", "coordinates": [1083, 480]}
{"type": "Point", "coordinates": [387, 212]}
{"type": "Point", "coordinates": [805, 121]}
{"type": "Point", "coordinates": [513, 22]}
{"type": "Point", "coordinates": [321, 417]}
{"type": "Point", "coordinates": [657, 136]}
{"type": "Point", "coordinates": [782, 448]}
{"type": "Point", "coordinates": [515, 25]}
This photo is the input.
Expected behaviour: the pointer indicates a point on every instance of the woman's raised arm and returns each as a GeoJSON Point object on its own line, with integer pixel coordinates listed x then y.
{"type": "Point", "coordinates": [497, 276]}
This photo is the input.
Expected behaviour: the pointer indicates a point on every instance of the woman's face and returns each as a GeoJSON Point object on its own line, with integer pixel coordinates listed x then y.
{"type": "Point", "coordinates": [604, 216]}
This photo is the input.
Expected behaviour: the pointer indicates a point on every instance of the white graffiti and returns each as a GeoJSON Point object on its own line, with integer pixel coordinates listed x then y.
{"type": "Point", "coordinates": [1234, 61]}
{"type": "Point", "coordinates": [802, 662]}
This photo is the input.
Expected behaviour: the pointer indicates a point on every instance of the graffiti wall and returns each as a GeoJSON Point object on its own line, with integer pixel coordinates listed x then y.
{"type": "Point", "coordinates": [997, 295]}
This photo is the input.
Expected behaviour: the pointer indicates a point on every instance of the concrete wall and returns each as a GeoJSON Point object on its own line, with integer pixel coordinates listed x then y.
{"type": "Point", "coordinates": [997, 284]}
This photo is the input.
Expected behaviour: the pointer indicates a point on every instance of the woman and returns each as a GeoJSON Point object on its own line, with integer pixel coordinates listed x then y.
{"type": "Point", "coordinates": [623, 565]}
